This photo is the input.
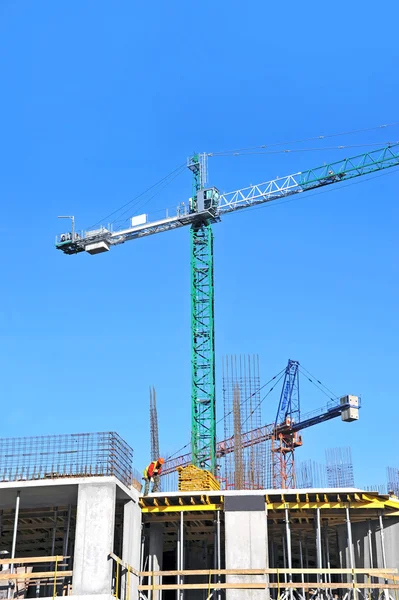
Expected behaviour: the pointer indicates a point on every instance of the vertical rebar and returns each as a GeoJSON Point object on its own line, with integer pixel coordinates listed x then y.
{"type": "Point", "coordinates": [238, 458]}
{"type": "Point", "coordinates": [339, 467]}
{"type": "Point", "coordinates": [242, 412]}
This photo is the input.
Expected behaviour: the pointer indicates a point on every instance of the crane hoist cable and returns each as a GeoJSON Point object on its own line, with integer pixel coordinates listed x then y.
{"type": "Point", "coordinates": [316, 381]}
{"type": "Point", "coordinates": [241, 404]}
{"type": "Point", "coordinates": [178, 170]}
{"type": "Point", "coordinates": [297, 150]}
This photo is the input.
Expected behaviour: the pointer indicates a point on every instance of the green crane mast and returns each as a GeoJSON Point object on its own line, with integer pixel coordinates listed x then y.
{"type": "Point", "coordinates": [207, 206]}
{"type": "Point", "coordinates": [203, 394]}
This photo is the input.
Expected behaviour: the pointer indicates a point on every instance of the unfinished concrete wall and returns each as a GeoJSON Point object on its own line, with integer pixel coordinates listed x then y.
{"type": "Point", "coordinates": [131, 549]}
{"type": "Point", "coordinates": [95, 521]}
{"type": "Point", "coordinates": [246, 543]}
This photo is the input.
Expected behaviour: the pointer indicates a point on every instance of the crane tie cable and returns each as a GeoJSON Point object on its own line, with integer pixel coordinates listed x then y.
{"type": "Point", "coordinates": [310, 139]}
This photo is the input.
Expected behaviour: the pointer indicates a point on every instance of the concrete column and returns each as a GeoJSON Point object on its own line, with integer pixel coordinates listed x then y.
{"type": "Point", "coordinates": [156, 557]}
{"type": "Point", "coordinates": [131, 549]}
{"type": "Point", "coordinates": [246, 543]}
{"type": "Point", "coordinates": [94, 539]}
{"type": "Point", "coordinates": [391, 542]}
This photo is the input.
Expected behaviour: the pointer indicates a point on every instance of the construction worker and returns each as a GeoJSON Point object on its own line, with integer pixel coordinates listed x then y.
{"type": "Point", "coordinates": [152, 474]}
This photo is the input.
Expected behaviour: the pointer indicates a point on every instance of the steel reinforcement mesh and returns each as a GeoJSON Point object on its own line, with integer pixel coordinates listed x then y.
{"type": "Point", "coordinates": [69, 455]}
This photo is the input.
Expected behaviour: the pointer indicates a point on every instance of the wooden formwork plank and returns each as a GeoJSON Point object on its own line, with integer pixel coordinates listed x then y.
{"type": "Point", "coordinates": [264, 585]}
{"type": "Point", "coordinates": [361, 571]}
{"type": "Point", "coordinates": [31, 559]}
{"type": "Point", "coordinates": [40, 575]}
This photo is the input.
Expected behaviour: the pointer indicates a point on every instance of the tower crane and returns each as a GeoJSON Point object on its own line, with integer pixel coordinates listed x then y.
{"type": "Point", "coordinates": [284, 440]}
{"type": "Point", "coordinates": [206, 207]}
{"type": "Point", "coordinates": [284, 432]}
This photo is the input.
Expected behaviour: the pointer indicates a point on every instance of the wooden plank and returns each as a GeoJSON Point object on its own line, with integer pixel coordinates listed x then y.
{"type": "Point", "coordinates": [41, 575]}
{"type": "Point", "coordinates": [371, 572]}
{"type": "Point", "coordinates": [263, 586]}
{"type": "Point", "coordinates": [124, 564]}
{"type": "Point", "coordinates": [31, 560]}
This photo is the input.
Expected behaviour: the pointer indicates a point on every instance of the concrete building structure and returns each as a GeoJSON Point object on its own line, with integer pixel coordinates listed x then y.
{"type": "Point", "coordinates": [112, 542]}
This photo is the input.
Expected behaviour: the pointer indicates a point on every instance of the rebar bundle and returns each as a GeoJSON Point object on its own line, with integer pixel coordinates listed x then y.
{"type": "Point", "coordinates": [245, 468]}
{"type": "Point", "coordinates": [339, 467]}
{"type": "Point", "coordinates": [393, 480]}
{"type": "Point", "coordinates": [154, 425]}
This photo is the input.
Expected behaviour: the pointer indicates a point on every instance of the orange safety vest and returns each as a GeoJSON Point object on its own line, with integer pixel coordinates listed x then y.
{"type": "Point", "coordinates": [152, 470]}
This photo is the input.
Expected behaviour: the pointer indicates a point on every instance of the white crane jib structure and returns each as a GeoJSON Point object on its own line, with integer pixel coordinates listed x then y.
{"type": "Point", "coordinates": [210, 205]}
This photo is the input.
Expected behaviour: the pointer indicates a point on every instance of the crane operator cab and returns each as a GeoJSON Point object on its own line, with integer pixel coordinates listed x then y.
{"type": "Point", "coordinates": [207, 200]}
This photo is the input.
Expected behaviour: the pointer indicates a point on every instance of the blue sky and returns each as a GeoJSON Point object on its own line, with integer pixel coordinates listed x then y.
{"type": "Point", "coordinates": [99, 101]}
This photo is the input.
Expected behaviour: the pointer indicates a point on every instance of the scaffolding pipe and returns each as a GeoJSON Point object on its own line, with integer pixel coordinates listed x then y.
{"type": "Point", "coordinates": [301, 563]}
{"type": "Point", "coordinates": [14, 535]}
{"type": "Point", "coordinates": [327, 545]}
{"type": "Point", "coordinates": [178, 555]}
{"type": "Point", "coordinates": [284, 559]}
{"type": "Point", "coordinates": [142, 554]}
{"type": "Point", "coordinates": [351, 553]}
{"type": "Point", "coordinates": [371, 560]}
{"type": "Point", "coordinates": [384, 558]}
{"type": "Point", "coordinates": [267, 564]}
{"type": "Point", "coordinates": [273, 563]}
{"type": "Point", "coordinates": [54, 532]}
{"type": "Point", "coordinates": [289, 549]}
{"type": "Point", "coordinates": [66, 531]}
{"type": "Point", "coordinates": [218, 546]}
{"type": "Point", "coordinates": [181, 553]}
{"type": "Point", "coordinates": [318, 544]}
{"type": "Point", "coordinates": [14, 538]}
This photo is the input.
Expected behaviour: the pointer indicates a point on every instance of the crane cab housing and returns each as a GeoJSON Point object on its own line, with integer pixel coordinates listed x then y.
{"type": "Point", "coordinates": [207, 200]}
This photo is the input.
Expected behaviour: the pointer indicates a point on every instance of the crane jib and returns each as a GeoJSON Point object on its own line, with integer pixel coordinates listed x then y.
{"type": "Point", "coordinates": [218, 204]}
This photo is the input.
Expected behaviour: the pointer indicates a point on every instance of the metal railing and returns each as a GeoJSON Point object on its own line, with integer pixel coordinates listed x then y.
{"type": "Point", "coordinates": [17, 575]}
{"type": "Point", "coordinates": [69, 455]}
